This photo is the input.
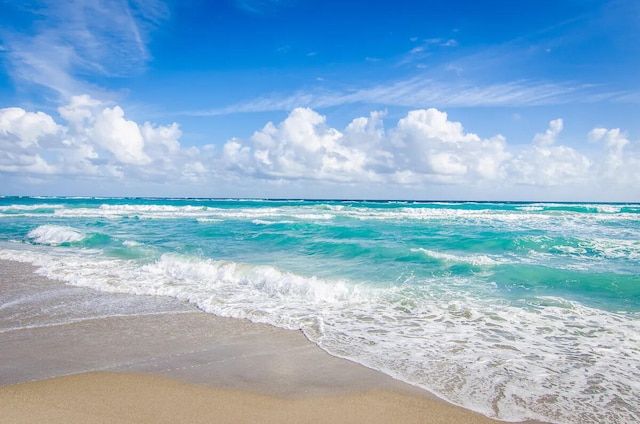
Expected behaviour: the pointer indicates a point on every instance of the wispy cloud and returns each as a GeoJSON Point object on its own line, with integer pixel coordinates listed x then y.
{"type": "Point", "coordinates": [260, 7]}
{"type": "Point", "coordinates": [69, 42]}
{"type": "Point", "coordinates": [425, 49]}
{"type": "Point", "coordinates": [423, 92]}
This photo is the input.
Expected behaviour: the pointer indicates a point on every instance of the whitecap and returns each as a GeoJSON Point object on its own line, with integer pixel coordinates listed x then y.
{"type": "Point", "coordinates": [55, 235]}
{"type": "Point", "coordinates": [476, 260]}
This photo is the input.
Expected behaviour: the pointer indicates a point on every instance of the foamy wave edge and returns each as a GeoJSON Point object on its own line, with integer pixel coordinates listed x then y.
{"type": "Point", "coordinates": [55, 235]}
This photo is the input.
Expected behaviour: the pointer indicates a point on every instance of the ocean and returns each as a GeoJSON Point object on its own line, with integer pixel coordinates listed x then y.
{"type": "Point", "coordinates": [515, 310]}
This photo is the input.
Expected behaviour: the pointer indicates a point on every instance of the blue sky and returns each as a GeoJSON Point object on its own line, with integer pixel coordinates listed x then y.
{"type": "Point", "coordinates": [515, 100]}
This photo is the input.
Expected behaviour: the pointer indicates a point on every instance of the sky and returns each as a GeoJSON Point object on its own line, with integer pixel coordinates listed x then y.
{"type": "Point", "coordinates": [412, 99]}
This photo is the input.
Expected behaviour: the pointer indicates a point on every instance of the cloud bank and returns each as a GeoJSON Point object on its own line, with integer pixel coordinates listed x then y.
{"type": "Point", "coordinates": [95, 140]}
{"type": "Point", "coordinates": [423, 150]}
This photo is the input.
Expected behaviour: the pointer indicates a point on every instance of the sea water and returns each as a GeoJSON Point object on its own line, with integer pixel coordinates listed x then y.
{"type": "Point", "coordinates": [515, 310]}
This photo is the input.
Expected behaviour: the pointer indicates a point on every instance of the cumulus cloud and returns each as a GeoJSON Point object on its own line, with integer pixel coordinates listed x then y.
{"type": "Point", "coordinates": [428, 143]}
{"type": "Point", "coordinates": [95, 140]}
{"type": "Point", "coordinates": [303, 146]}
{"type": "Point", "coordinates": [621, 158]}
{"type": "Point", "coordinates": [424, 148]}
{"type": "Point", "coordinates": [550, 136]}
{"type": "Point", "coordinates": [121, 137]}
{"type": "Point", "coordinates": [547, 164]}
{"type": "Point", "coordinates": [27, 129]}
{"type": "Point", "coordinates": [23, 136]}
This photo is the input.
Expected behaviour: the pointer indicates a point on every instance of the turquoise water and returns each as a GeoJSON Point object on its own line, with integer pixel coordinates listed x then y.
{"type": "Point", "coordinates": [516, 310]}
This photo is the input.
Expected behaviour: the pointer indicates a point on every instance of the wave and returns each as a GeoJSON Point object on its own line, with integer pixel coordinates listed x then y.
{"type": "Point", "coordinates": [201, 213]}
{"type": "Point", "coordinates": [602, 248]}
{"type": "Point", "coordinates": [476, 260]}
{"type": "Point", "coordinates": [55, 235]}
{"type": "Point", "coordinates": [592, 248]}
{"type": "Point", "coordinates": [19, 207]}
{"type": "Point", "coordinates": [542, 215]}
{"type": "Point", "coordinates": [58, 235]}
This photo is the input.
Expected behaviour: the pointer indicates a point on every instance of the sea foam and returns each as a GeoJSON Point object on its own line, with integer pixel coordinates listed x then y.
{"type": "Point", "coordinates": [55, 234]}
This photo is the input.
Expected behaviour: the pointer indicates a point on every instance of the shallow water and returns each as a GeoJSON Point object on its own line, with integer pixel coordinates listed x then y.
{"type": "Point", "coordinates": [516, 310]}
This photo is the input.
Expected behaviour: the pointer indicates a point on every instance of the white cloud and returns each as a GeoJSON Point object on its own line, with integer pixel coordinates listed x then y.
{"type": "Point", "coordinates": [96, 140]}
{"type": "Point", "coordinates": [613, 139]}
{"type": "Point", "coordinates": [546, 164]}
{"type": "Point", "coordinates": [550, 136]}
{"type": "Point", "coordinates": [420, 152]}
{"type": "Point", "coordinates": [26, 128]}
{"type": "Point", "coordinates": [119, 136]}
{"type": "Point", "coordinates": [302, 146]}
{"type": "Point", "coordinates": [550, 166]}
{"type": "Point", "coordinates": [427, 142]}
{"type": "Point", "coordinates": [424, 146]}
{"type": "Point", "coordinates": [621, 160]}
{"type": "Point", "coordinates": [23, 136]}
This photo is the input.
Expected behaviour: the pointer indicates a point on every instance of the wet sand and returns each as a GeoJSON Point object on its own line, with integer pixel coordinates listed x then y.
{"type": "Point", "coordinates": [179, 365]}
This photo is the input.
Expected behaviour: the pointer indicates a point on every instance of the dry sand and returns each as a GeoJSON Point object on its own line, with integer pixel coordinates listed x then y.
{"type": "Point", "coordinates": [181, 366]}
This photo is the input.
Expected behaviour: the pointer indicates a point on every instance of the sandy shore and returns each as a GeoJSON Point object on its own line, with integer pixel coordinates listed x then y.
{"type": "Point", "coordinates": [177, 364]}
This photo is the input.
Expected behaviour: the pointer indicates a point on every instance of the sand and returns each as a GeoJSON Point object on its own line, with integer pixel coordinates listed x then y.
{"type": "Point", "coordinates": [178, 365]}
{"type": "Point", "coordinates": [139, 398]}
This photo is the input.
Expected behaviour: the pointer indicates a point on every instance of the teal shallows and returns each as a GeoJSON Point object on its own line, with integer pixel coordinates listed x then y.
{"type": "Point", "coordinates": [489, 305]}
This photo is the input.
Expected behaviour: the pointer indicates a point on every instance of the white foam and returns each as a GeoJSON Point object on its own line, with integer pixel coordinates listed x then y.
{"type": "Point", "coordinates": [200, 213]}
{"type": "Point", "coordinates": [530, 208]}
{"type": "Point", "coordinates": [477, 260]}
{"type": "Point", "coordinates": [55, 235]}
{"type": "Point", "coordinates": [601, 248]}
{"type": "Point", "coordinates": [265, 222]}
{"type": "Point", "coordinates": [613, 248]}
{"type": "Point", "coordinates": [19, 207]}
{"type": "Point", "coordinates": [608, 208]}
{"type": "Point", "coordinates": [221, 287]}
{"type": "Point", "coordinates": [209, 220]}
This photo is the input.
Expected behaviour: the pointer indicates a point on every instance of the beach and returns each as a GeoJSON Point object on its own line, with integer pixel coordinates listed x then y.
{"type": "Point", "coordinates": [183, 365]}
{"type": "Point", "coordinates": [516, 311]}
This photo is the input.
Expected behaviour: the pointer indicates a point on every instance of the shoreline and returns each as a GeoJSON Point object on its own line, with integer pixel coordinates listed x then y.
{"type": "Point", "coordinates": [63, 370]}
